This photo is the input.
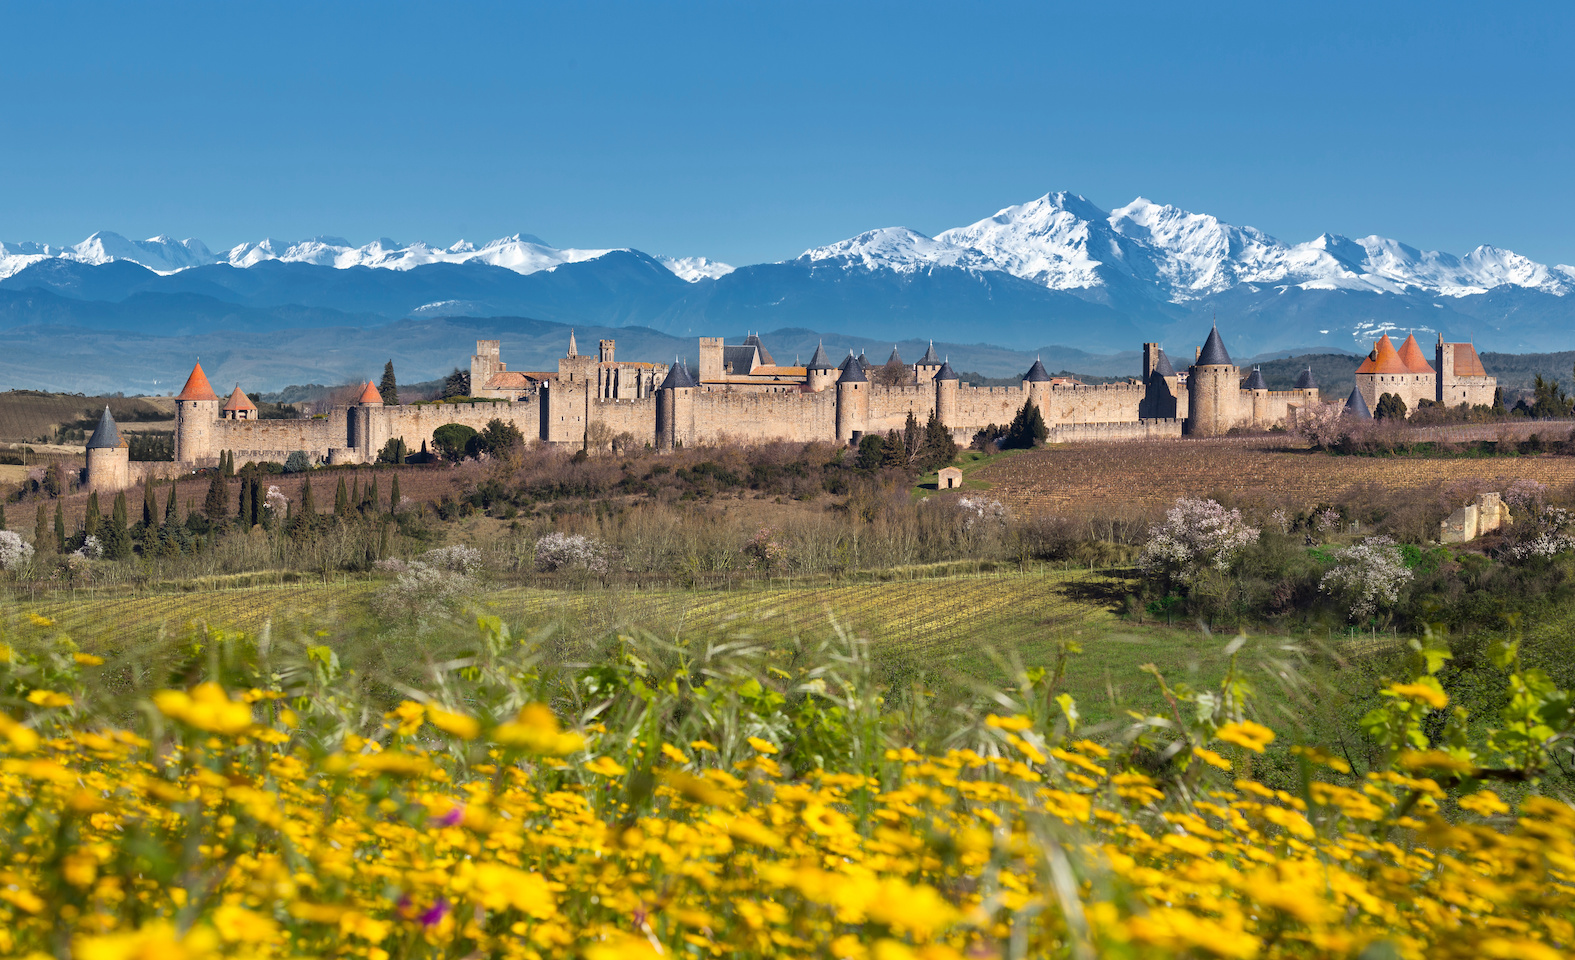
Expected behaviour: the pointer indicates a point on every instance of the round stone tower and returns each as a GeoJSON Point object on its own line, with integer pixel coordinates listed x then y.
{"type": "Point", "coordinates": [1036, 384]}
{"type": "Point", "coordinates": [675, 407]}
{"type": "Point", "coordinates": [108, 458]}
{"type": "Point", "coordinates": [820, 374]}
{"type": "Point", "coordinates": [1212, 390]}
{"type": "Point", "coordinates": [946, 383]}
{"type": "Point", "coordinates": [853, 401]}
{"type": "Point", "coordinates": [196, 412]}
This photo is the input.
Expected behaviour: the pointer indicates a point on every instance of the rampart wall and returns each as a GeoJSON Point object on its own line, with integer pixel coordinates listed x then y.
{"type": "Point", "coordinates": [890, 406]}
{"type": "Point", "coordinates": [1137, 430]}
{"type": "Point", "coordinates": [1094, 403]}
{"type": "Point", "coordinates": [789, 415]}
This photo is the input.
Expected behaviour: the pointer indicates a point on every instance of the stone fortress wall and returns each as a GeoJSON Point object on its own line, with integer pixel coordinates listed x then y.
{"type": "Point", "coordinates": [743, 395]}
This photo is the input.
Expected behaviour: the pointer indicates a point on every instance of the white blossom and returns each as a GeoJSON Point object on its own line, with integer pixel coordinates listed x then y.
{"type": "Point", "coordinates": [14, 551]}
{"type": "Point", "coordinates": [91, 549]}
{"type": "Point", "coordinates": [276, 503]}
{"type": "Point", "coordinates": [1367, 576]}
{"type": "Point", "coordinates": [457, 558]}
{"type": "Point", "coordinates": [1544, 537]}
{"type": "Point", "coordinates": [981, 510]}
{"type": "Point", "coordinates": [564, 551]}
{"type": "Point", "coordinates": [1197, 533]}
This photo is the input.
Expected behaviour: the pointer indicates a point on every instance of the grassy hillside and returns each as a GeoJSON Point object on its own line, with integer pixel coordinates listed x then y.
{"type": "Point", "coordinates": [34, 416]}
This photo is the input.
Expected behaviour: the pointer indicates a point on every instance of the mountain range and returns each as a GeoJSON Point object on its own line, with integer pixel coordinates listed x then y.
{"type": "Point", "coordinates": [1058, 270]}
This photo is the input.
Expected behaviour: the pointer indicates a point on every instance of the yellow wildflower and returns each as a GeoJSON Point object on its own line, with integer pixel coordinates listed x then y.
{"type": "Point", "coordinates": [1426, 690]}
{"type": "Point", "coordinates": [455, 724]}
{"type": "Point", "coordinates": [207, 707]}
{"type": "Point", "coordinates": [536, 730]}
{"type": "Point", "coordinates": [87, 659]}
{"type": "Point", "coordinates": [1211, 758]}
{"type": "Point", "coordinates": [49, 698]}
{"type": "Point", "coordinates": [762, 746]}
{"type": "Point", "coordinates": [1245, 733]}
{"type": "Point", "coordinates": [606, 766]}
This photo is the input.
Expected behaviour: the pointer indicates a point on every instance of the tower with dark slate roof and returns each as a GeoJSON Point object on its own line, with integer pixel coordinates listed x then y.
{"type": "Point", "coordinates": [108, 457]}
{"type": "Point", "coordinates": [675, 407]}
{"type": "Point", "coordinates": [946, 385]}
{"type": "Point", "coordinates": [820, 374]}
{"type": "Point", "coordinates": [1305, 380]}
{"type": "Point", "coordinates": [1213, 390]}
{"type": "Point", "coordinates": [853, 402]}
{"type": "Point", "coordinates": [927, 366]}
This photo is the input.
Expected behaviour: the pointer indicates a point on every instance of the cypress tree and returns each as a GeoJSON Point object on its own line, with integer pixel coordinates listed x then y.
{"type": "Point", "coordinates": [244, 508]}
{"type": "Point", "coordinates": [393, 496]}
{"type": "Point", "coordinates": [60, 528]}
{"type": "Point", "coordinates": [341, 499]}
{"type": "Point", "coordinates": [388, 389]}
{"type": "Point", "coordinates": [370, 503]}
{"type": "Point", "coordinates": [355, 492]}
{"type": "Point", "coordinates": [214, 506]}
{"type": "Point", "coordinates": [308, 506]}
{"type": "Point", "coordinates": [43, 542]}
{"type": "Point", "coordinates": [382, 542]}
{"type": "Point", "coordinates": [90, 521]}
{"type": "Point", "coordinates": [150, 507]}
{"type": "Point", "coordinates": [171, 514]}
{"type": "Point", "coordinates": [2, 516]}
{"type": "Point", "coordinates": [255, 508]}
{"type": "Point", "coordinates": [117, 539]}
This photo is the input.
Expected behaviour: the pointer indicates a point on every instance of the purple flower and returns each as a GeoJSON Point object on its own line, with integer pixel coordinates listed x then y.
{"type": "Point", "coordinates": [453, 818]}
{"type": "Point", "coordinates": [434, 914]}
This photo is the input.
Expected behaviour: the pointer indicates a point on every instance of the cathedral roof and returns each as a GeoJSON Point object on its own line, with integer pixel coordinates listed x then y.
{"type": "Point", "coordinates": [239, 400]}
{"type": "Point", "coordinates": [1305, 380]}
{"type": "Point", "coordinates": [820, 361]}
{"type": "Point", "coordinates": [853, 373]}
{"type": "Point", "coordinates": [1163, 367]}
{"type": "Point", "coordinates": [929, 357]}
{"type": "Point", "coordinates": [1255, 381]}
{"type": "Point", "coordinates": [677, 377]}
{"type": "Point", "coordinates": [1411, 355]}
{"type": "Point", "coordinates": [1213, 353]}
{"type": "Point", "coordinates": [1356, 405]}
{"type": "Point", "coordinates": [753, 340]}
{"type": "Point", "coordinates": [946, 372]}
{"type": "Point", "coordinates": [369, 394]}
{"type": "Point", "coordinates": [106, 435]}
{"type": "Point", "coordinates": [197, 387]}
{"type": "Point", "coordinates": [1036, 373]}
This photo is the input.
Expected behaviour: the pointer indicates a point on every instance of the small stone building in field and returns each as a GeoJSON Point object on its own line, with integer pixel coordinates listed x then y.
{"type": "Point", "coordinates": [950, 478]}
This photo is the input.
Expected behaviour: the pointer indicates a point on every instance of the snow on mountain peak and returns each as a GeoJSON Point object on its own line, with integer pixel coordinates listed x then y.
{"type": "Point", "coordinates": [695, 269]}
{"type": "Point", "coordinates": [900, 249]}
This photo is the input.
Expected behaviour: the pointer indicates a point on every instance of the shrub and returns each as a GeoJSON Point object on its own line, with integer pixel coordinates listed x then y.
{"type": "Point", "coordinates": [452, 441]}
{"type": "Point", "coordinates": [14, 551]}
{"type": "Point", "coordinates": [1197, 534]}
{"type": "Point", "coordinates": [297, 462]}
{"type": "Point", "coordinates": [570, 551]}
{"type": "Point", "coordinates": [1367, 576]}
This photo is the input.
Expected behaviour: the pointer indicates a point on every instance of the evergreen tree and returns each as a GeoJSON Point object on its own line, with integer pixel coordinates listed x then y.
{"type": "Point", "coordinates": [912, 438]}
{"type": "Point", "coordinates": [1498, 401]}
{"type": "Point", "coordinates": [393, 496]}
{"type": "Point", "coordinates": [90, 521]}
{"type": "Point", "coordinates": [308, 506]}
{"type": "Point", "coordinates": [1027, 430]}
{"type": "Point", "coordinates": [215, 506]}
{"type": "Point", "coordinates": [60, 528]}
{"type": "Point", "coordinates": [370, 503]}
{"type": "Point", "coordinates": [341, 499]}
{"type": "Point", "coordinates": [355, 492]}
{"type": "Point", "coordinates": [171, 514]}
{"type": "Point", "coordinates": [43, 539]}
{"type": "Point", "coordinates": [244, 506]}
{"type": "Point", "coordinates": [894, 453]}
{"type": "Point", "coordinates": [382, 542]}
{"type": "Point", "coordinates": [254, 510]}
{"type": "Point", "coordinates": [388, 388]}
{"type": "Point", "coordinates": [2, 516]}
{"type": "Point", "coordinates": [456, 384]}
{"type": "Point", "coordinates": [229, 464]}
{"type": "Point", "coordinates": [1390, 407]}
{"type": "Point", "coordinates": [116, 537]}
{"type": "Point", "coordinates": [150, 514]}
{"type": "Point", "coordinates": [938, 448]}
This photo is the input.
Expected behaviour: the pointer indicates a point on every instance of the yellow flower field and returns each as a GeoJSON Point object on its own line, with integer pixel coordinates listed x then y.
{"type": "Point", "coordinates": [680, 813]}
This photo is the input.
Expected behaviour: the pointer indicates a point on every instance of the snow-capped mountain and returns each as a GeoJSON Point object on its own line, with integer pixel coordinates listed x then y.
{"type": "Point", "coordinates": [1064, 242]}
{"type": "Point", "coordinates": [521, 253]}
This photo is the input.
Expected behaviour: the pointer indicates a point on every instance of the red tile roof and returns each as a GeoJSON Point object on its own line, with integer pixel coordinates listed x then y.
{"type": "Point", "coordinates": [197, 387]}
{"type": "Point", "coordinates": [1467, 363]}
{"type": "Point", "coordinates": [1411, 355]}
{"type": "Point", "coordinates": [240, 401]}
{"type": "Point", "coordinates": [370, 394]}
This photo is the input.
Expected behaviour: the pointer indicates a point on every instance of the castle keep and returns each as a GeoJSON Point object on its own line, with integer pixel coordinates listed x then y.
{"type": "Point", "coordinates": [741, 394]}
{"type": "Point", "coordinates": [1458, 377]}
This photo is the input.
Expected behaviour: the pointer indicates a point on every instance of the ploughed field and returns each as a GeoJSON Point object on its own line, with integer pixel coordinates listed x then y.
{"type": "Point", "coordinates": [1157, 473]}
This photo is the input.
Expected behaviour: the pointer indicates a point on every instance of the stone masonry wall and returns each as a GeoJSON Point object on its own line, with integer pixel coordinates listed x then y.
{"type": "Point", "coordinates": [1094, 403]}
{"type": "Point", "coordinates": [790, 415]}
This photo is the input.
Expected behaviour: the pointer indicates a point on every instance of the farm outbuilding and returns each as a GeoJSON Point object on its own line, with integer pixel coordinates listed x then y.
{"type": "Point", "coordinates": [949, 478]}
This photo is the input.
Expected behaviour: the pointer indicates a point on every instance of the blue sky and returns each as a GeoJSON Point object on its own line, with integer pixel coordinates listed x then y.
{"type": "Point", "coordinates": [748, 132]}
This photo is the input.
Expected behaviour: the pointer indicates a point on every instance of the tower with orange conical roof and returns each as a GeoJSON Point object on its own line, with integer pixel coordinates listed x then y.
{"type": "Point", "coordinates": [196, 412]}
{"type": "Point", "coordinates": [1403, 372]}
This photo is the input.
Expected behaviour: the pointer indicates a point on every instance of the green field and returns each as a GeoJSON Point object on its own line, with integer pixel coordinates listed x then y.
{"type": "Point", "coordinates": [955, 629]}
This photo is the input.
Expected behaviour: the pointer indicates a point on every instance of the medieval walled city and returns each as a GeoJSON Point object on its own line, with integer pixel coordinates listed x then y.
{"type": "Point", "coordinates": [740, 394]}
